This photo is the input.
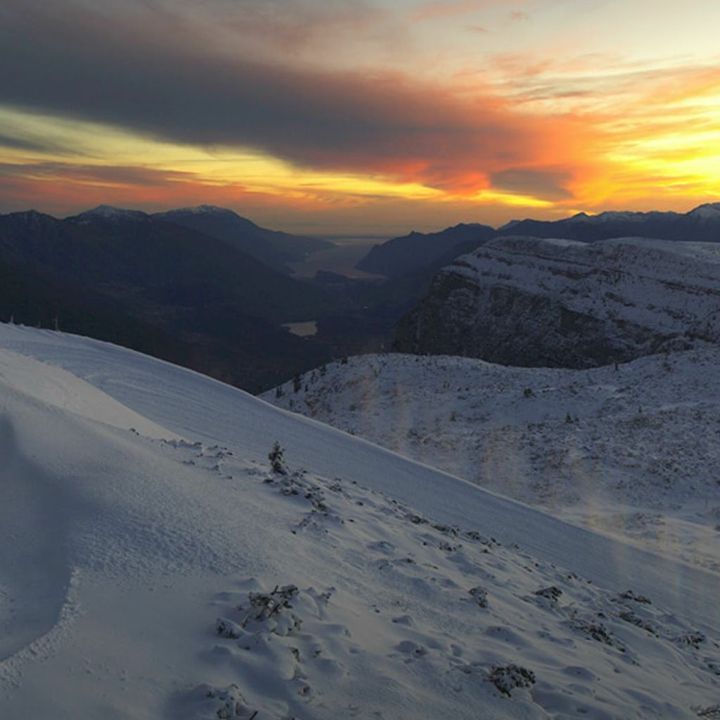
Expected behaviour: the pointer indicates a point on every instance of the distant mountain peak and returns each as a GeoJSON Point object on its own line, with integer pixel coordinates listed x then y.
{"type": "Point", "coordinates": [205, 210]}
{"type": "Point", "coordinates": [707, 211]}
{"type": "Point", "coordinates": [109, 212]}
{"type": "Point", "coordinates": [31, 214]}
{"type": "Point", "coordinates": [608, 216]}
{"type": "Point", "coordinates": [31, 218]}
{"type": "Point", "coordinates": [579, 217]}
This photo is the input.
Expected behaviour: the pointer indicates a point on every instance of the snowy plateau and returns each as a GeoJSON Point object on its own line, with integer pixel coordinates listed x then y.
{"type": "Point", "coordinates": [154, 565]}
{"type": "Point", "coordinates": [564, 303]}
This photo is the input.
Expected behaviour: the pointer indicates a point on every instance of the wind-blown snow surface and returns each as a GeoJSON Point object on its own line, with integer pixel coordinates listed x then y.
{"type": "Point", "coordinates": [165, 572]}
{"type": "Point", "coordinates": [630, 449]}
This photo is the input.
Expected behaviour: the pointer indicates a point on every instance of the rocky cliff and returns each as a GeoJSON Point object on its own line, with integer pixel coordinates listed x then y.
{"type": "Point", "coordinates": [562, 303]}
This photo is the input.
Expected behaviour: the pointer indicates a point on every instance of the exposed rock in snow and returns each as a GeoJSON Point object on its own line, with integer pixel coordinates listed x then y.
{"type": "Point", "coordinates": [562, 303]}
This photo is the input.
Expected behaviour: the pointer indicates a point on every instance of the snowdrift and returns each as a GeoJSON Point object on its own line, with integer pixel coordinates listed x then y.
{"type": "Point", "coordinates": [152, 566]}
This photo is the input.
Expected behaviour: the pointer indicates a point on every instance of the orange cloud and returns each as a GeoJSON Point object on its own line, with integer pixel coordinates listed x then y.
{"type": "Point", "coordinates": [65, 188]}
{"type": "Point", "coordinates": [542, 130]}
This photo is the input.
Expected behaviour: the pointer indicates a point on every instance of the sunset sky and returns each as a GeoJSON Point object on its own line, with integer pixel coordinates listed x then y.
{"type": "Point", "coordinates": [360, 116]}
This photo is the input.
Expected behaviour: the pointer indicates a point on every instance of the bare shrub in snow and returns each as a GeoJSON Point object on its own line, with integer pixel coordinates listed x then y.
{"type": "Point", "coordinates": [276, 456]}
{"type": "Point", "coordinates": [509, 677]}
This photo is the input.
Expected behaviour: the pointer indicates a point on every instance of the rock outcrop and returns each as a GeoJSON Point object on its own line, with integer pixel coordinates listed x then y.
{"type": "Point", "coordinates": [562, 303]}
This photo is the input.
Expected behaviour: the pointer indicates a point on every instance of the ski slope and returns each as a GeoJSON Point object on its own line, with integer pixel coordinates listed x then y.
{"type": "Point", "coordinates": [138, 507]}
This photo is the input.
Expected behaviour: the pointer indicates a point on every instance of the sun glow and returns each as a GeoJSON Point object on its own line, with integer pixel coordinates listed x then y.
{"type": "Point", "coordinates": [406, 113]}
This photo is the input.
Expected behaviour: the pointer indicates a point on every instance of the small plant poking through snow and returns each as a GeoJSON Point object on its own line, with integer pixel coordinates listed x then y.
{"type": "Point", "coordinates": [630, 595]}
{"type": "Point", "coordinates": [692, 639]}
{"type": "Point", "coordinates": [480, 595]}
{"type": "Point", "coordinates": [276, 456]}
{"type": "Point", "coordinates": [269, 604]}
{"type": "Point", "coordinates": [595, 631]}
{"type": "Point", "coordinates": [509, 677]}
{"type": "Point", "coordinates": [551, 593]}
{"type": "Point", "coordinates": [229, 703]}
{"type": "Point", "coordinates": [712, 712]}
{"type": "Point", "coordinates": [265, 612]}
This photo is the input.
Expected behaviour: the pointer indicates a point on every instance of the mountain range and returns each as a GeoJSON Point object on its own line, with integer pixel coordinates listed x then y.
{"type": "Point", "coordinates": [139, 279]}
{"type": "Point", "coordinates": [209, 289]}
{"type": "Point", "coordinates": [429, 251]}
{"type": "Point", "coordinates": [275, 249]}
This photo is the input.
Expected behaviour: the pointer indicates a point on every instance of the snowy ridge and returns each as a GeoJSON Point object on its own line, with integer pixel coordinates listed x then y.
{"type": "Point", "coordinates": [350, 582]}
{"type": "Point", "coordinates": [108, 212]}
{"type": "Point", "coordinates": [610, 216]}
{"type": "Point", "coordinates": [709, 211]}
{"type": "Point", "coordinates": [669, 287]}
{"type": "Point", "coordinates": [564, 303]}
{"type": "Point", "coordinates": [630, 451]}
{"type": "Point", "coordinates": [205, 210]}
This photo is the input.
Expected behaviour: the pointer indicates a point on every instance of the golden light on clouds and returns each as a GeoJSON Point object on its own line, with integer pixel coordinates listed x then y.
{"type": "Point", "coordinates": [527, 116]}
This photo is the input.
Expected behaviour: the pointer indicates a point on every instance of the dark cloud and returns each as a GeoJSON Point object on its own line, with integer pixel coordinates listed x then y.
{"type": "Point", "coordinates": [18, 143]}
{"type": "Point", "coordinates": [139, 66]}
{"type": "Point", "coordinates": [282, 26]}
{"type": "Point", "coordinates": [545, 184]}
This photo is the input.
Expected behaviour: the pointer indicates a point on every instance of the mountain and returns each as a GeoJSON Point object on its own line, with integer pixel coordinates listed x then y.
{"type": "Point", "coordinates": [630, 451]}
{"type": "Point", "coordinates": [699, 225]}
{"type": "Point", "coordinates": [271, 247]}
{"type": "Point", "coordinates": [222, 307]}
{"type": "Point", "coordinates": [153, 565]}
{"type": "Point", "coordinates": [110, 213]}
{"type": "Point", "coordinates": [423, 252]}
{"type": "Point", "coordinates": [562, 303]}
{"type": "Point", "coordinates": [31, 298]}
{"type": "Point", "coordinates": [174, 264]}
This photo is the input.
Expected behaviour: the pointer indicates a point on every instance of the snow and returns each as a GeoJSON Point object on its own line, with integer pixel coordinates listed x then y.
{"type": "Point", "coordinates": [64, 391]}
{"type": "Point", "coordinates": [621, 216]}
{"type": "Point", "coordinates": [666, 286]}
{"type": "Point", "coordinates": [205, 210]}
{"type": "Point", "coordinates": [147, 569]}
{"type": "Point", "coordinates": [108, 212]}
{"type": "Point", "coordinates": [709, 211]}
{"type": "Point", "coordinates": [630, 451]}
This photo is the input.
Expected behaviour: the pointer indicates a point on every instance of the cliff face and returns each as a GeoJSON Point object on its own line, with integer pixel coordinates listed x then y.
{"type": "Point", "coordinates": [561, 303]}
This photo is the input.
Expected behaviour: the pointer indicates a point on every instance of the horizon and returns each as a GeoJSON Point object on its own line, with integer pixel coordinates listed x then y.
{"type": "Point", "coordinates": [363, 118]}
{"type": "Point", "coordinates": [347, 236]}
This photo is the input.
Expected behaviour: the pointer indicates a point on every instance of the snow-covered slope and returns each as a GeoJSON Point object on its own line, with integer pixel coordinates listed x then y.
{"type": "Point", "coordinates": [534, 302]}
{"type": "Point", "coordinates": [156, 568]}
{"type": "Point", "coordinates": [108, 212]}
{"type": "Point", "coordinates": [632, 450]}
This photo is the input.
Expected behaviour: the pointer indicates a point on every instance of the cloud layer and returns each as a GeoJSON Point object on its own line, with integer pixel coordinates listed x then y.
{"type": "Point", "coordinates": [118, 69]}
{"type": "Point", "coordinates": [362, 102]}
